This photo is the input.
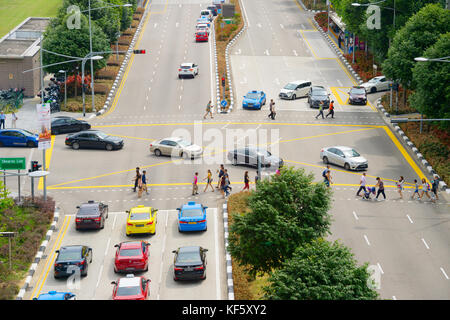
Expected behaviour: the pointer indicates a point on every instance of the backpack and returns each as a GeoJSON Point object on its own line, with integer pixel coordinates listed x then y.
{"type": "Point", "coordinates": [324, 173]}
{"type": "Point", "coordinates": [428, 186]}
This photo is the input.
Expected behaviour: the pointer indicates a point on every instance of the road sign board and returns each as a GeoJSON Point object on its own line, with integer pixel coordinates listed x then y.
{"type": "Point", "coordinates": [223, 103]}
{"type": "Point", "coordinates": [12, 164]}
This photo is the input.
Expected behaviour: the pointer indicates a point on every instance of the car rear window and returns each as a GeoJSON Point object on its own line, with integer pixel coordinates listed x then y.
{"type": "Point", "coordinates": [252, 96]}
{"type": "Point", "coordinates": [67, 255]}
{"type": "Point", "coordinates": [130, 252]}
{"type": "Point", "coordinates": [192, 213]}
{"type": "Point", "coordinates": [188, 257]}
{"type": "Point", "coordinates": [128, 291]}
{"type": "Point", "coordinates": [186, 67]}
{"type": "Point", "coordinates": [140, 216]}
{"type": "Point", "coordinates": [88, 210]}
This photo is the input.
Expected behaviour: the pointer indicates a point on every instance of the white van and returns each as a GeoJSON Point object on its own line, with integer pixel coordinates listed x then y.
{"type": "Point", "coordinates": [295, 89]}
{"type": "Point", "coordinates": [206, 13]}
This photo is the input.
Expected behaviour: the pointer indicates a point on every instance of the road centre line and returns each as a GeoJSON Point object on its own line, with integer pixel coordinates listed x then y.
{"type": "Point", "coordinates": [409, 218]}
{"type": "Point", "coordinates": [445, 274]}
{"type": "Point", "coordinates": [425, 243]}
{"type": "Point", "coordinates": [216, 244]}
{"type": "Point", "coordinates": [367, 240]}
{"type": "Point", "coordinates": [99, 278]}
{"type": "Point", "coordinates": [354, 214]}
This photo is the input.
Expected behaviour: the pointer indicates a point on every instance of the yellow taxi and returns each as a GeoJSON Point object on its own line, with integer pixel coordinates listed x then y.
{"type": "Point", "coordinates": [141, 220]}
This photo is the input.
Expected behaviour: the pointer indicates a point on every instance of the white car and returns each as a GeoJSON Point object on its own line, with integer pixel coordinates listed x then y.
{"type": "Point", "coordinates": [379, 83]}
{"type": "Point", "coordinates": [177, 147]}
{"type": "Point", "coordinates": [188, 70]}
{"type": "Point", "coordinates": [345, 157]}
{"type": "Point", "coordinates": [207, 14]}
{"type": "Point", "coordinates": [295, 89]}
{"type": "Point", "coordinates": [202, 27]}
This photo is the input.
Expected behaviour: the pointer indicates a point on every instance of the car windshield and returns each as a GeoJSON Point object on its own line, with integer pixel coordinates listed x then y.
{"type": "Point", "coordinates": [188, 257]}
{"type": "Point", "coordinates": [102, 135]}
{"type": "Point", "coordinates": [358, 91]}
{"type": "Point", "coordinates": [128, 291]}
{"type": "Point", "coordinates": [252, 95]}
{"type": "Point", "coordinates": [184, 143]}
{"type": "Point", "coordinates": [351, 153]}
{"type": "Point", "coordinates": [130, 252]}
{"type": "Point", "coordinates": [192, 213]}
{"type": "Point", "coordinates": [67, 255]}
{"type": "Point", "coordinates": [320, 93]}
{"type": "Point", "coordinates": [290, 86]}
{"type": "Point", "coordinates": [139, 216]}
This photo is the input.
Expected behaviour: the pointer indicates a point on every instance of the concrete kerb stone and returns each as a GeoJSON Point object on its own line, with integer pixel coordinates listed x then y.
{"type": "Point", "coordinates": [230, 285]}
{"type": "Point", "coordinates": [39, 255]}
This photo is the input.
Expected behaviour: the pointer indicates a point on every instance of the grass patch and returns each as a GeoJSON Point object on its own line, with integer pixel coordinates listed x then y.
{"type": "Point", "coordinates": [14, 12]}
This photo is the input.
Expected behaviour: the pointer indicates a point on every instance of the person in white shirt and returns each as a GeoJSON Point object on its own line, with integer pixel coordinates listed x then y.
{"type": "Point", "coordinates": [13, 120]}
{"type": "Point", "coordinates": [362, 184]}
{"type": "Point", "coordinates": [400, 186]}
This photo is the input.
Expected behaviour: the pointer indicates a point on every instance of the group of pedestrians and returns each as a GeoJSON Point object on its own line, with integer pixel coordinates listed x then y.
{"type": "Point", "coordinates": [14, 118]}
{"type": "Point", "coordinates": [330, 110]}
{"type": "Point", "coordinates": [425, 187]}
{"type": "Point", "coordinates": [140, 182]}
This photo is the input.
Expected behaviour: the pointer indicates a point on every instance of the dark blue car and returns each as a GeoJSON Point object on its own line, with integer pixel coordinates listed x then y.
{"type": "Point", "coordinates": [18, 138]}
{"type": "Point", "coordinates": [254, 100]}
{"type": "Point", "coordinates": [53, 295]}
{"type": "Point", "coordinates": [192, 217]}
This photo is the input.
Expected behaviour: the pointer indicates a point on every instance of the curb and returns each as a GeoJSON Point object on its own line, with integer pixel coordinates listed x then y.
{"type": "Point", "coordinates": [228, 256]}
{"type": "Point", "coordinates": [124, 65]}
{"type": "Point", "coordinates": [228, 65]}
{"type": "Point", "coordinates": [419, 156]}
{"type": "Point", "coordinates": [39, 255]}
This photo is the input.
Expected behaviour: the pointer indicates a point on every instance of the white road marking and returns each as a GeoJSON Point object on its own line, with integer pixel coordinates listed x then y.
{"type": "Point", "coordinates": [107, 245]}
{"type": "Point", "coordinates": [244, 81]}
{"type": "Point", "coordinates": [425, 243]}
{"type": "Point", "coordinates": [379, 267]}
{"type": "Point", "coordinates": [281, 26]}
{"type": "Point", "coordinates": [354, 214]}
{"type": "Point", "coordinates": [245, 13]}
{"type": "Point", "coordinates": [277, 81]}
{"type": "Point", "coordinates": [211, 71]}
{"type": "Point", "coordinates": [238, 51]}
{"type": "Point", "coordinates": [393, 297]}
{"type": "Point", "coordinates": [99, 276]}
{"type": "Point", "coordinates": [409, 218]}
{"type": "Point", "coordinates": [216, 243]}
{"type": "Point", "coordinates": [295, 53]}
{"type": "Point", "coordinates": [114, 222]}
{"type": "Point", "coordinates": [259, 25]}
{"type": "Point", "coordinates": [155, 25]}
{"type": "Point", "coordinates": [340, 83]}
{"type": "Point", "coordinates": [443, 271]}
{"type": "Point", "coordinates": [367, 240]}
{"type": "Point", "coordinates": [267, 52]}
{"type": "Point", "coordinates": [176, 25]}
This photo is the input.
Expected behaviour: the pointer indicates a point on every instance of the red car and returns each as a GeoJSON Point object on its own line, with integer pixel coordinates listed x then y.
{"type": "Point", "coordinates": [131, 288]}
{"type": "Point", "coordinates": [201, 36]}
{"type": "Point", "coordinates": [131, 256]}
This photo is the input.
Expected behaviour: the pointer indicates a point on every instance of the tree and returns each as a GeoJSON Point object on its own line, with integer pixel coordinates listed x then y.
{"type": "Point", "coordinates": [321, 270]}
{"type": "Point", "coordinates": [286, 211]}
{"type": "Point", "coordinates": [432, 94]}
{"type": "Point", "coordinates": [420, 32]}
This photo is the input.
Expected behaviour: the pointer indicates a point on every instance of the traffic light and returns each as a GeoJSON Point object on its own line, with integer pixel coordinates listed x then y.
{"type": "Point", "coordinates": [223, 81]}
{"type": "Point", "coordinates": [139, 51]}
{"type": "Point", "coordinates": [35, 166]}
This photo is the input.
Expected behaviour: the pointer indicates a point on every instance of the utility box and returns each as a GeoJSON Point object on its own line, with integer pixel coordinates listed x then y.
{"type": "Point", "coordinates": [228, 10]}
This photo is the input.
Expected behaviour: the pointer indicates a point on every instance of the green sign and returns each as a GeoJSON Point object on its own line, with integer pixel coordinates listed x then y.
{"type": "Point", "coordinates": [12, 164]}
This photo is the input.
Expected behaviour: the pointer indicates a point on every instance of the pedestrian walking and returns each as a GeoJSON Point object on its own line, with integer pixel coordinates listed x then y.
{"type": "Point", "coordinates": [13, 120]}
{"type": "Point", "coordinates": [227, 184]}
{"type": "Point", "coordinates": [435, 187]}
{"type": "Point", "coordinates": [221, 172]}
{"type": "Point", "coordinates": [222, 185]}
{"type": "Point", "coordinates": [272, 109]}
{"type": "Point", "coordinates": [139, 185]}
{"type": "Point", "coordinates": [340, 39]}
{"type": "Point", "coordinates": [400, 183]}
{"type": "Point", "coordinates": [209, 180]}
{"type": "Point", "coordinates": [425, 189]}
{"type": "Point", "coordinates": [2, 119]}
{"type": "Point", "coordinates": [362, 184]}
{"type": "Point", "coordinates": [208, 110]}
{"type": "Point", "coordinates": [136, 179]}
{"type": "Point", "coordinates": [326, 174]}
{"type": "Point", "coordinates": [195, 184]}
{"type": "Point", "coordinates": [256, 177]}
{"type": "Point", "coordinates": [144, 181]}
{"type": "Point", "coordinates": [246, 181]}
{"type": "Point", "coordinates": [320, 110]}
{"type": "Point", "coordinates": [416, 190]}
{"type": "Point", "coordinates": [331, 110]}
{"type": "Point", "coordinates": [380, 185]}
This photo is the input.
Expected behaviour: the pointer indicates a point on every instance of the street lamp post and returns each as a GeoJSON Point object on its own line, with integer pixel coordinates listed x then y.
{"type": "Point", "coordinates": [87, 57]}
{"type": "Point", "coordinates": [65, 87]}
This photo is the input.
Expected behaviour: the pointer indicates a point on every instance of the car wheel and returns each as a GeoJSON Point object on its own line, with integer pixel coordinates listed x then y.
{"type": "Point", "coordinates": [346, 166]}
{"type": "Point", "coordinates": [294, 97]}
{"type": "Point", "coordinates": [109, 147]}
{"type": "Point", "coordinates": [30, 144]}
{"type": "Point", "coordinates": [179, 77]}
{"type": "Point", "coordinates": [325, 160]}
{"type": "Point", "coordinates": [157, 152]}
{"type": "Point", "coordinates": [373, 90]}
{"type": "Point", "coordinates": [75, 146]}
{"type": "Point", "coordinates": [204, 276]}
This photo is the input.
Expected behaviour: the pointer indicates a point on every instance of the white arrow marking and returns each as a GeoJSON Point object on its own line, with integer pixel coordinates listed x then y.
{"type": "Point", "coordinates": [155, 25]}
{"type": "Point", "coordinates": [267, 52]}
{"type": "Point", "coordinates": [176, 25]}
{"type": "Point", "coordinates": [281, 26]}
{"type": "Point", "coordinates": [295, 53]}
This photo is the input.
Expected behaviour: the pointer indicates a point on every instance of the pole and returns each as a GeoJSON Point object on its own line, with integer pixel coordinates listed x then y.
{"type": "Point", "coordinates": [65, 90]}
{"type": "Point", "coordinates": [92, 62]}
{"type": "Point", "coordinates": [328, 17]}
{"type": "Point", "coordinates": [10, 261]}
{"type": "Point", "coordinates": [390, 99]}
{"type": "Point", "coordinates": [32, 189]}
{"type": "Point", "coordinates": [18, 178]}
{"type": "Point", "coordinates": [421, 122]}
{"type": "Point", "coordinates": [82, 87]}
{"type": "Point", "coordinates": [4, 180]}
{"type": "Point", "coordinates": [42, 102]}
{"type": "Point", "coordinates": [353, 49]}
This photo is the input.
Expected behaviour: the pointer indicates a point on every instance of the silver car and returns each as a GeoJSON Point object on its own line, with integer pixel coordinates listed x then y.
{"type": "Point", "coordinates": [345, 157]}
{"type": "Point", "coordinates": [177, 147]}
{"type": "Point", "coordinates": [379, 83]}
{"type": "Point", "coordinates": [249, 156]}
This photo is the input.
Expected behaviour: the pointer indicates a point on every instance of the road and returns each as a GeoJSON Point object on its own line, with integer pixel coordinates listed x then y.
{"type": "Point", "coordinates": [406, 241]}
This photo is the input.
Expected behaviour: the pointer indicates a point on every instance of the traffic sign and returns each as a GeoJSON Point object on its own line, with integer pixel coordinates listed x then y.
{"type": "Point", "coordinates": [12, 164]}
{"type": "Point", "coordinates": [223, 103]}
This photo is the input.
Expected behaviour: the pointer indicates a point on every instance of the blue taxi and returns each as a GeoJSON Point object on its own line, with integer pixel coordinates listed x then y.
{"type": "Point", "coordinates": [192, 217]}
{"type": "Point", "coordinates": [254, 100]}
{"type": "Point", "coordinates": [53, 295]}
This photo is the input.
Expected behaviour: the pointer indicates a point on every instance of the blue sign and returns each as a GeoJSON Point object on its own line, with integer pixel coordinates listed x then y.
{"type": "Point", "coordinates": [223, 103]}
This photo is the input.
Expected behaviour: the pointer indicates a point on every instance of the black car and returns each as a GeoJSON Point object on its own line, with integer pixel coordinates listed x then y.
{"type": "Point", "coordinates": [249, 156]}
{"type": "Point", "coordinates": [318, 95]}
{"type": "Point", "coordinates": [91, 215]}
{"type": "Point", "coordinates": [68, 124]}
{"type": "Point", "coordinates": [71, 259]}
{"type": "Point", "coordinates": [213, 9]}
{"type": "Point", "coordinates": [93, 139]}
{"type": "Point", "coordinates": [357, 95]}
{"type": "Point", "coordinates": [189, 263]}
